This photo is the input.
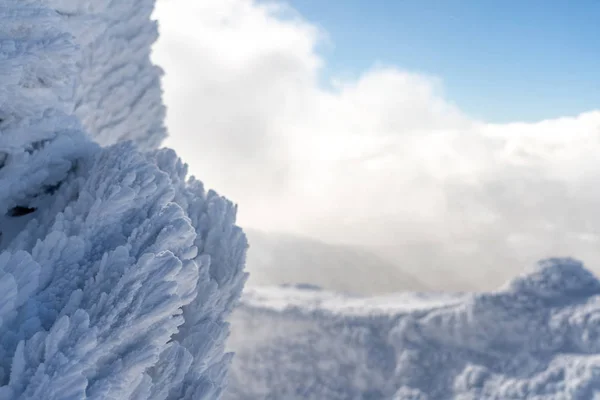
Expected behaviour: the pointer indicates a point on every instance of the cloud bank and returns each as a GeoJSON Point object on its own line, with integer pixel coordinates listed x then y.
{"type": "Point", "coordinates": [383, 160]}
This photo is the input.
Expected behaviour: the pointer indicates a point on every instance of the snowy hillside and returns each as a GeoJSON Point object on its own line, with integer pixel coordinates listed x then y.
{"type": "Point", "coordinates": [535, 338]}
{"type": "Point", "coordinates": [277, 258]}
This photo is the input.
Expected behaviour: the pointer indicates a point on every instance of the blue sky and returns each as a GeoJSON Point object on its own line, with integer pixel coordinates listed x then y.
{"type": "Point", "coordinates": [499, 60]}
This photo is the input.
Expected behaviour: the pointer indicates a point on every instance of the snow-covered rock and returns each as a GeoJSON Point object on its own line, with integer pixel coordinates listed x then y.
{"type": "Point", "coordinates": [538, 337]}
{"type": "Point", "coordinates": [118, 95]}
{"type": "Point", "coordinates": [117, 271]}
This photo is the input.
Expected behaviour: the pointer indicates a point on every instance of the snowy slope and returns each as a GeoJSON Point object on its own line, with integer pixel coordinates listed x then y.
{"type": "Point", "coordinates": [277, 258]}
{"type": "Point", "coordinates": [538, 337]}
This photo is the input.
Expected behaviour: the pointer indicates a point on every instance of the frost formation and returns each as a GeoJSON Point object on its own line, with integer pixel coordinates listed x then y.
{"type": "Point", "coordinates": [116, 270]}
{"type": "Point", "coordinates": [118, 94]}
{"type": "Point", "coordinates": [536, 338]}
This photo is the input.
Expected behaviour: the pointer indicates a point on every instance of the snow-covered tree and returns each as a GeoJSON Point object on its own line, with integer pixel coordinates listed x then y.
{"type": "Point", "coordinates": [116, 270]}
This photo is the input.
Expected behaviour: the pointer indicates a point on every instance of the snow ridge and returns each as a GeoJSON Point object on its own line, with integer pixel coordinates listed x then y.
{"type": "Point", "coordinates": [117, 271]}
{"type": "Point", "coordinates": [535, 338]}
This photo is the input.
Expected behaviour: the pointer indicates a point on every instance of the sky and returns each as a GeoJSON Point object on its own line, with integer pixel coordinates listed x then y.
{"type": "Point", "coordinates": [483, 50]}
{"type": "Point", "coordinates": [467, 152]}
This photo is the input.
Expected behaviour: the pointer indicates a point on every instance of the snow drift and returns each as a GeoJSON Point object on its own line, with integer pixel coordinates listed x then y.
{"type": "Point", "coordinates": [117, 271]}
{"type": "Point", "coordinates": [535, 338]}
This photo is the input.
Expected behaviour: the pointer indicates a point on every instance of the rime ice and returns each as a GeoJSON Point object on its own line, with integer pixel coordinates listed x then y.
{"type": "Point", "coordinates": [535, 338]}
{"type": "Point", "coordinates": [116, 269]}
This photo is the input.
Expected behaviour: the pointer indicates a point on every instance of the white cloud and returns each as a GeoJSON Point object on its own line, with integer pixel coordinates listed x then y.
{"type": "Point", "coordinates": [383, 160]}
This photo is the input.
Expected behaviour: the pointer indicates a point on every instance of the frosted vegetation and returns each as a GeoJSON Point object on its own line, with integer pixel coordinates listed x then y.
{"type": "Point", "coordinates": [117, 271]}
{"type": "Point", "coordinates": [535, 338]}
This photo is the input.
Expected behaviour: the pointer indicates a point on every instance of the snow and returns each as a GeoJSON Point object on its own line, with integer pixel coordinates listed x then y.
{"type": "Point", "coordinates": [535, 338]}
{"type": "Point", "coordinates": [117, 270]}
{"type": "Point", "coordinates": [312, 298]}
{"type": "Point", "coordinates": [118, 96]}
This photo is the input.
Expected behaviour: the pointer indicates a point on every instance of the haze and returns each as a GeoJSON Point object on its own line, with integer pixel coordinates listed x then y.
{"type": "Point", "coordinates": [384, 161]}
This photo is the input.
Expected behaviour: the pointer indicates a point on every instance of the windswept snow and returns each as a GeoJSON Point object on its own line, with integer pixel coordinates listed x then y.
{"type": "Point", "coordinates": [535, 338]}
{"type": "Point", "coordinates": [118, 95]}
{"type": "Point", "coordinates": [117, 270]}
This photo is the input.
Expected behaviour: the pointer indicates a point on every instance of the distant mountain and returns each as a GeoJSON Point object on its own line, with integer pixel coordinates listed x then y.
{"type": "Point", "coordinates": [444, 268]}
{"type": "Point", "coordinates": [276, 258]}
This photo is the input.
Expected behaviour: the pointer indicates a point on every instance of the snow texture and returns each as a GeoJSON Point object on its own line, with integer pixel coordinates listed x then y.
{"type": "Point", "coordinates": [116, 270]}
{"type": "Point", "coordinates": [535, 338]}
{"type": "Point", "coordinates": [118, 96]}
